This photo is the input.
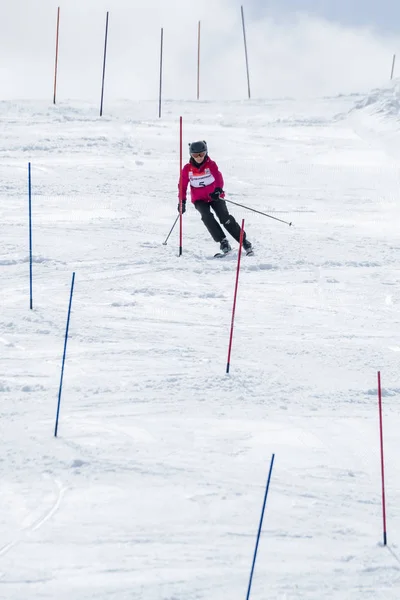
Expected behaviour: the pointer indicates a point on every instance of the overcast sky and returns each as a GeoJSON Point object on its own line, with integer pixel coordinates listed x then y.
{"type": "Point", "coordinates": [295, 47]}
{"type": "Point", "coordinates": [383, 15]}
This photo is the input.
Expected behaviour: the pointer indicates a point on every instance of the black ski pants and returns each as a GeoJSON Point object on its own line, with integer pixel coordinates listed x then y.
{"type": "Point", "coordinates": [220, 209]}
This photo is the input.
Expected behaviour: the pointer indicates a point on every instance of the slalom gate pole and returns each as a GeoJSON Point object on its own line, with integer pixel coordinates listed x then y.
{"type": "Point", "coordinates": [180, 188]}
{"type": "Point", "coordinates": [260, 527]}
{"type": "Point", "coordinates": [228, 363]}
{"type": "Point", "coordinates": [30, 237]}
{"type": "Point", "coordinates": [382, 459]}
{"type": "Point", "coordinates": [161, 71]}
{"type": "Point", "coordinates": [167, 238]}
{"type": "Point", "coordinates": [245, 53]}
{"type": "Point", "coordinates": [64, 355]}
{"type": "Point", "coordinates": [56, 59]}
{"type": "Point", "coordinates": [198, 61]}
{"type": "Point", "coordinates": [104, 66]}
{"type": "Point", "coordinates": [259, 212]}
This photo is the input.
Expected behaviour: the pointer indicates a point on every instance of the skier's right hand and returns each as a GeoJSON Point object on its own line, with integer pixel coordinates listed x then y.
{"type": "Point", "coordinates": [183, 206]}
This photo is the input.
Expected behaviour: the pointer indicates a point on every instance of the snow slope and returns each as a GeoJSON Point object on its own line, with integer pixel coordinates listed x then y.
{"type": "Point", "coordinates": [376, 118]}
{"type": "Point", "coordinates": [154, 487]}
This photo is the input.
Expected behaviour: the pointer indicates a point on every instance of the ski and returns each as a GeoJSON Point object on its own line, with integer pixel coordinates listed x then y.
{"type": "Point", "coordinates": [221, 254]}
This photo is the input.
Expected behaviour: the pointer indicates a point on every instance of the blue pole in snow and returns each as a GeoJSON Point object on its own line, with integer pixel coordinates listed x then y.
{"type": "Point", "coordinates": [30, 236]}
{"type": "Point", "coordinates": [260, 527]}
{"type": "Point", "coordinates": [65, 352]}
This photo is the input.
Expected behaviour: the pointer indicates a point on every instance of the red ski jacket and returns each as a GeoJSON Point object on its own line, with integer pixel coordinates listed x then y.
{"type": "Point", "coordinates": [203, 180]}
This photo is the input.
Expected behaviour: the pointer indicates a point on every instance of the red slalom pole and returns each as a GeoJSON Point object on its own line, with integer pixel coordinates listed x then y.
{"type": "Point", "coordinates": [180, 186]}
{"type": "Point", "coordinates": [228, 364]}
{"type": "Point", "coordinates": [382, 460]}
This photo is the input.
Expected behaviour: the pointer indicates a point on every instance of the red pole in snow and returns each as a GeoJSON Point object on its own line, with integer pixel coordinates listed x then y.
{"type": "Point", "coordinates": [234, 297]}
{"type": "Point", "coordinates": [180, 186]}
{"type": "Point", "coordinates": [382, 460]}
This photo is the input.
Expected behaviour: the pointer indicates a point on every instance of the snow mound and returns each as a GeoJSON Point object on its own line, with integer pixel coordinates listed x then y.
{"type": "Point", "coordinates": [382, 101]}
{"type": "Point", "coordinates": [375, 118]}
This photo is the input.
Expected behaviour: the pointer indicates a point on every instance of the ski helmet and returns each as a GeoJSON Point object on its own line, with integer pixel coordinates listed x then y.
{"type": "Point", "coordinates": [200, 146]}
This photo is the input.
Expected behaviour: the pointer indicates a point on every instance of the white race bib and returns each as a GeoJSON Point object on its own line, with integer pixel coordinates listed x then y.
{"type": "Point", "coordinates": [201, 180]}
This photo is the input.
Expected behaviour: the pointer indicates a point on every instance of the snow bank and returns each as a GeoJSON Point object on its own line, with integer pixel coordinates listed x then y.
{"type": "Point", "coordinates": [382, 101]}
{"type": "Point", "coordinates": [376, 119]}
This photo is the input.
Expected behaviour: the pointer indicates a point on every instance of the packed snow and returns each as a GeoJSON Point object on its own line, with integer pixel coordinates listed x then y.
{"type": "Point", "coordinates": [154, 486]}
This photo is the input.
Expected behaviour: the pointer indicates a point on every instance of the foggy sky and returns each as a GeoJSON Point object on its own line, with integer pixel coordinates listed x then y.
{"type": "Point", "coordinates": [290, 53]}
{"type": "Point", "coordinates": [382, 15]}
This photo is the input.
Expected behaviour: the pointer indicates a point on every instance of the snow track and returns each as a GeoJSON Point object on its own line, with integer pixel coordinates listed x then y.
{"type": "Point", "coordinates": [154, 486]}
{"type": "Point", "coordinates": [36, 518]}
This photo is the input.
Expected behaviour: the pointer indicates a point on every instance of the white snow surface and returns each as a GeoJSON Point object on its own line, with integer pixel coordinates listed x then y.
{"type": "Point", "coordinates": [154, 486]}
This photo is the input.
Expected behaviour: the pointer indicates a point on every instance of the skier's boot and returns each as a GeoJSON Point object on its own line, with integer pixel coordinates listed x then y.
{"type": "Point", "coordinates": [247, 247]}
{"type": "Point", "coordinates": [225, 246]}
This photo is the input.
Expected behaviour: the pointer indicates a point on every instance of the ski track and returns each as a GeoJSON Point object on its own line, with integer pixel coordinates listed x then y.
{"type": "Point", "coordinates": [46, 515]}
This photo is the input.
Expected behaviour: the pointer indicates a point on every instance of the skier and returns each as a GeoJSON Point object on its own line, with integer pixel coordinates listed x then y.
{"type": "Point", "coordinates": [206, 190]}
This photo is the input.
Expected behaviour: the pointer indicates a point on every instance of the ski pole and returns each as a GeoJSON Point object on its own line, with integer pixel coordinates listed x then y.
{"type": "Point", "coordinates": [166, 239]}
{"type": "Point", "coordinates": [259, 212]}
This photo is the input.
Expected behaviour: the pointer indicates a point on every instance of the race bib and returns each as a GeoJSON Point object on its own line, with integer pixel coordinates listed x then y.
{"type": "Point", "coordinates": [201, 180]}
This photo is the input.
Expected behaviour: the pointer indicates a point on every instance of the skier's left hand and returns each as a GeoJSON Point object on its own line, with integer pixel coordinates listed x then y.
{"type": "Point", "coordinates": [183, 206]}
{"type": "Point", "coordinates": [217, 193]}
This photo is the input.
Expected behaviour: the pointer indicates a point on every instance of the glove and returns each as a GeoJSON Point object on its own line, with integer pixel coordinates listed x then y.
{"type": "Point", "coordinates": [183, 206]}
{"type": "Point", "coordinates": [215, 195]}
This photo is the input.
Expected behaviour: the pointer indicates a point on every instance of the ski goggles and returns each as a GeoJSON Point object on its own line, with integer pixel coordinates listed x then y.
{"type": "Point", "coordinates": [198, 154]}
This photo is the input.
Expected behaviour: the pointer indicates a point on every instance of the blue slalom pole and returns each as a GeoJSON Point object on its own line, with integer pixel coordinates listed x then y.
{"type": "Point", "coordinates": [260, 526]}
{"type": "Point", "coordinates": [64, 355]}
{"type": "Point", "coordinates": [30, 236]}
